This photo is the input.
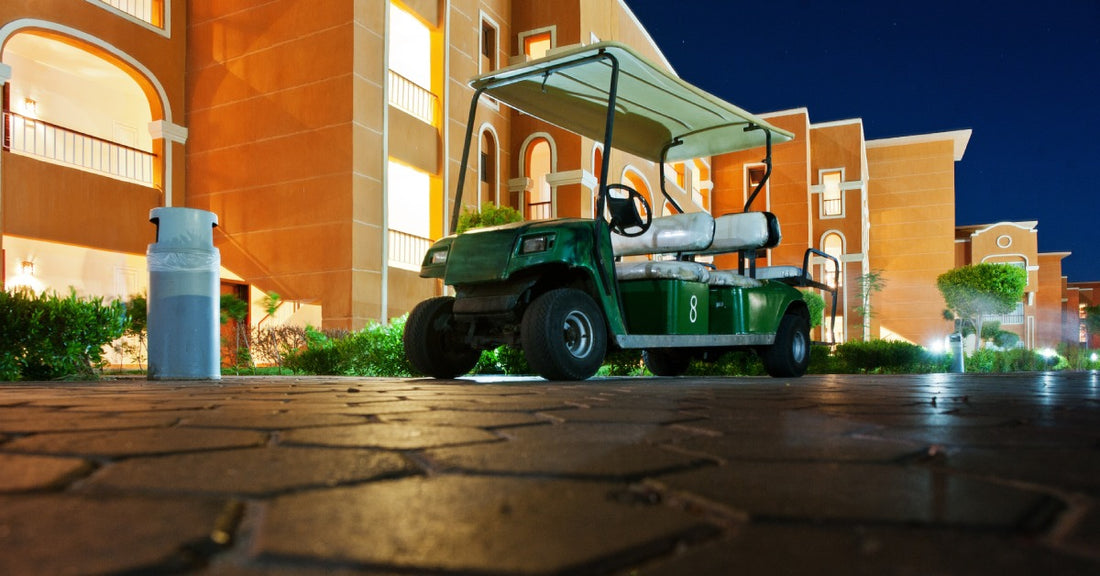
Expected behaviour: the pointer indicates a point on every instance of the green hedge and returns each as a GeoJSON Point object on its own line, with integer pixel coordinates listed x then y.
{"type": "Point", "coordinates": [376, 350]}
{"type": "Point", "coordinates": [50, 337]}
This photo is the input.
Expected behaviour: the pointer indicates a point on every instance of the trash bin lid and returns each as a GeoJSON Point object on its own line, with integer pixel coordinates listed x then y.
{"type": "Point", "coordinates": [185, 227]}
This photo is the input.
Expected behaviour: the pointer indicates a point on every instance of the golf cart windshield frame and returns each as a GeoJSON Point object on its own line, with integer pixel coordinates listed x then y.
{"type": "Point", "coordinates": [661, 111]}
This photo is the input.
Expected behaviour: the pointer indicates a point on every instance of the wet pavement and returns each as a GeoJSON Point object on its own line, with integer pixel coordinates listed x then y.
{"type": "Point", "coordinates": [933, 474]}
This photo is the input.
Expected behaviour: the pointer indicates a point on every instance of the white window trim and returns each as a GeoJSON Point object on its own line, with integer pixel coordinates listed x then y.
{"type": "Point", "coordinates": [522, 36]}
{"type": "Point", "coordinates": [819, 189]}
{"type": "Point", "coordinates": [747, 190]}
{"type": "Point", "coordinates": [487, 127]}
{"type": "Point", "coordinates": [166, 31]}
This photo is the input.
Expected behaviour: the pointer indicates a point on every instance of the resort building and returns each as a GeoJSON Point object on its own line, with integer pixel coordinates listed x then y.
{"type": "Point", "coordinates": [327, 137]}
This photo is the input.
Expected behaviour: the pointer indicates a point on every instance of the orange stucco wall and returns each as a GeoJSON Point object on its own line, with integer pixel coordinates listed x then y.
{"type": "Point", "coordinates": [1049, 303]}
{"type": "Point", "coordinates": [912, 209]}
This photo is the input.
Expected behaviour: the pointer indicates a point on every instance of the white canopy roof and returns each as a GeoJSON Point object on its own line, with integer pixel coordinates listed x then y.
{"type": "Point", "coordinates": [653, 107]}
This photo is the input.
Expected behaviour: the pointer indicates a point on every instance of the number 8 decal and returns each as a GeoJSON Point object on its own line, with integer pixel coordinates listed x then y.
{"type": "Point", "coordinates": [693, 315]}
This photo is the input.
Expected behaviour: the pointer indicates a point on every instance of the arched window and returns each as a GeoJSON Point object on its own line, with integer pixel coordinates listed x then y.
{"type": "Point", "coordinates": [633, 178]}
{"type": "Point", "coordinates": [488, 175]}
{"type": "Point", "coordinates": [538, 164]}
{"type": "Point", "coordinates": [832, 243]}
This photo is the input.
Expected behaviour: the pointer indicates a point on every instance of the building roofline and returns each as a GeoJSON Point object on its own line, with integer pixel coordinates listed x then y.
{"type": "Point", "coordinates": [834, 123]}
{"type": "Point", "coordinates": [788, 112]}
{"type": "Point", "coordinates": [975, 229]}
{"type": "Point", "coordinates": [960, 137]}
{"type": "Point", "coordinates": [645, 33]}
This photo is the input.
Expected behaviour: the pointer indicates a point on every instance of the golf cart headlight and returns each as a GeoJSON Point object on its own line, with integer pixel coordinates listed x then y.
{"type": "Point", "coordinates": [534, 244]}
{"type": "Point", "coordinates": [438, 257]}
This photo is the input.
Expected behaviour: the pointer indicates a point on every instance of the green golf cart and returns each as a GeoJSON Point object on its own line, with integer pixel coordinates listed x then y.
{"type": "Point", "coordinates": [568, 290]}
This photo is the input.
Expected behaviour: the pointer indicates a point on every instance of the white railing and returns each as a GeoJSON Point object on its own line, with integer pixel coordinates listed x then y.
{"type": "Point", "coordinates": [151, 11]}
{"type": "Point", "coordinates": [408, 96]}
{"type": "Point", "coordinates": [406, 250]}
{"type": "Point", "coordinates": [60, 145]}
{"type": "Point", "coordinates": [832, 207]}
{"type": "Point", "coordinates": [539, 210]}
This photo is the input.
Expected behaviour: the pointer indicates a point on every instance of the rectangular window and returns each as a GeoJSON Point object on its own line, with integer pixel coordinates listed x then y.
{"type": "Point", "coordinates": [489, 48]}
{"type": "Point", "coordinates": [1014, 318]}
{"type": "Point", "coordinates": [754, 175]}
{"type": "Point", "coordinates": [832, 202]}
{"type": "Point", "coordinates": [537, 45]}
{"type": "Point", "coordinates": [410, 64]}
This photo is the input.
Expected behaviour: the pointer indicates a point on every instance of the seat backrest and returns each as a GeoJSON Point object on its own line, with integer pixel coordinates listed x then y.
{"type": "Point", "coordinates": [689, 232]}
{"type": "Point", "coordinates": [744, 231]}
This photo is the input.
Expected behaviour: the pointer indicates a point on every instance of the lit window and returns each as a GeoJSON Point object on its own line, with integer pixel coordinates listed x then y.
{"type": "Point", "coordinates": [408, 191]}
{"type": "Point", "coordinates": [833, 245]}
{"type": "Point", "coordinates": [831, 203]}
{"type": "Point", "coordinates": [539, 201]}
{"type": "Point", "coordinates": [537, 45]}
{"type": "Point", "coordinates": [410, 45]}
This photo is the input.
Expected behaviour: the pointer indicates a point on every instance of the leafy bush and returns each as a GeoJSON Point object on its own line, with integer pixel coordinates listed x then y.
{"type": "Point", "coordinates": [1013, 360]}
{"type": "Point", "coordinates": [736, 363]}
{"type": "Point", "coordinates": [49, 337]}
{"type": "Point", "coordinates": [376, 350]}
{"type": "Point", "coordinates": [816, 303]}
{"type": "Point", "coordinates": [623, 363]}
{"type": "Point", "coordinates": [503, 360]}
{"type": "Point", "coordinates": [489, 215]}
{"type": "Point", "coordinates": [887, 357]}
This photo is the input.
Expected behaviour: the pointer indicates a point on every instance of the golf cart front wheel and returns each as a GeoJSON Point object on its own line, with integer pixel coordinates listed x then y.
{"type": "Point", "coordinates": [433, 345]}
{"type": "Point", "coordinates": [789, 356]}
{"type": "Point", "coordinates": [564, 335]}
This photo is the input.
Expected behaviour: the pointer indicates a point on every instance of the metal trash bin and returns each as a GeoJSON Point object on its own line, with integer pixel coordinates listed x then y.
{"type": "Point", "coordinates": [958, 356]}
{"type": "Point", "coordinates": [184, 285]}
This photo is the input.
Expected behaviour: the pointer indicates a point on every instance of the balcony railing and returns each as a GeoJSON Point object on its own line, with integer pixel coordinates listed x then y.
{"type": "Point", "coordinates": [60, 145]}
{"type": "Point", "coordinates": [408, 96]}
{"type": "Point", "coordinates": [406, 250]}
{"type": "Point", "coordinates": [539, 210]}
{"type": "Point", "coordinates": [150, 11]}
{"type": "Point", "coordinates": [832, 207]}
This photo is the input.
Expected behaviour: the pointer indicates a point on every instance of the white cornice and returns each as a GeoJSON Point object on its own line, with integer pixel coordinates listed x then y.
{"type": "Point", "coordinates": [835, 123]}
{"type": "Point", "coordinates": [169, 131]}
{"type": "Point", "coordinates": [959, 137]}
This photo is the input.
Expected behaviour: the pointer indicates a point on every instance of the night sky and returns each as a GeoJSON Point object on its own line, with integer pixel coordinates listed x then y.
{"type": "Point", "coordinates": [1025, 76]}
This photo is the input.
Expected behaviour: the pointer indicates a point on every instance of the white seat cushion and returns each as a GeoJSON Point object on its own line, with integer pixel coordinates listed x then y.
{"type": "Point", "coordinates": [741, 231]}
{"type": "Point", "coordinates": [662, 270]}
{"type": "Point", "coordinates": [778, 272]}
{"type": "Point", "coordinates": [732, 278]}
{"type": "Point", "coordinates": [689, 232]}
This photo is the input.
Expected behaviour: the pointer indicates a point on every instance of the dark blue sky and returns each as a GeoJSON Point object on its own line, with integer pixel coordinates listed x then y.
{"type": "Point", "coordinates": [1025, 76]}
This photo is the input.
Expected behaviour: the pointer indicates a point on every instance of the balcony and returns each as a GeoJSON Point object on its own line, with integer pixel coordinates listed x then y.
{"type": "Point", "coordinates": [410, 97]}
{"type": "Point", "coordinates": [149, 11]}
{"type": "Point", "coordinates": [59, 145]}
{"type": "Point", "coordinates": [539, 210]}
{"type": "Point", "coordinates": [406, 250]}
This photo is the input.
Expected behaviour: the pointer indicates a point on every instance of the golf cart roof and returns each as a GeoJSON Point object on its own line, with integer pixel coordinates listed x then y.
{"type": "Point", "coordinates": [653, 108]}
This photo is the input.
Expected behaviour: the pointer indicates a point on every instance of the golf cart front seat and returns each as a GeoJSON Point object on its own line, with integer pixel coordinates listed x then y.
{"type": "Point", "coordinates": [675, 234]}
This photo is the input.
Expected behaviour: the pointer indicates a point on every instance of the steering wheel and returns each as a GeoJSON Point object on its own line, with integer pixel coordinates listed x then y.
{"type": "Point", "coordinates": [625, 219]}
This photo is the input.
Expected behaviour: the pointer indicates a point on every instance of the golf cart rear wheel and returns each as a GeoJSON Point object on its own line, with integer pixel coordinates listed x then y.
{"type": "Point", "coordinates": [433, 345]}
{"type": "Point", "coordinates": [789, 356]}
{"type": "Point", "coordinates": [564, 335]}
{"type": "Point", "coordinates": [666, 362]}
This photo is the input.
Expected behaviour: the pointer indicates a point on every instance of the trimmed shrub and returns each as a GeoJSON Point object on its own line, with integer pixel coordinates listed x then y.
{"type": "Point", "coordinates": [886, 357]}
{"type": "Point", "coordinates": [1014, 360]}
{"type": "Point", "coordinates": [49, 337]}
{"type": "Point", "coordinates": [376, 350]}
{"type": "Point", "coordinates": [489, 215]}
{"type": "Point", "coordinates": [816, 303]}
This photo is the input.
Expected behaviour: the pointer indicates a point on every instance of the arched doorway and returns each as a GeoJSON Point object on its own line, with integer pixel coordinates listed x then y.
{"type": "Point", "coordinates": [538, 164]}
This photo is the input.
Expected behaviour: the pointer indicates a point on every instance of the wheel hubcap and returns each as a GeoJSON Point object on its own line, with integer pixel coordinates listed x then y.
{"type": "Point", "coordinates": [798, 347]}
{"type": "Point", "coordinates": [577, 331]}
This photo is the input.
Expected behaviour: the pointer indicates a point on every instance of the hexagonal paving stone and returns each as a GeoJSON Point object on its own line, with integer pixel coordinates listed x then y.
{"type": "Point", "coordinates": [465, 524]}
{"type": "Point", "coordinates": [19, 472]}
{"type": "Point", "coordinates": [251, 471]}
{"type": "Point", "coordinates": [390, 436]}
{"type": "Point", "coordinates": [61, 534]}
{"type": "Point", "coordinates": [136, 442]}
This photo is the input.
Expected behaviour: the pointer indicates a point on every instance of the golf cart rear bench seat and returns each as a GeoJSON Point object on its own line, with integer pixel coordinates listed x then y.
{"type": "Point", "coordinates": [695, 233]}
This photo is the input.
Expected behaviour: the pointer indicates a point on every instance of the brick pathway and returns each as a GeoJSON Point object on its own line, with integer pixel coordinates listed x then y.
{"type": "Point", "coordinates": [937, 474]}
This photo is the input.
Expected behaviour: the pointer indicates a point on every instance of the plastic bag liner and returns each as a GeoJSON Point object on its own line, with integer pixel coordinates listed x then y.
{"type": "Point", "coordinates": [183, 319]}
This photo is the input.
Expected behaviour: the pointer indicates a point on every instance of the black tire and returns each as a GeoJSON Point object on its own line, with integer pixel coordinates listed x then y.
{"type": "Point", "coordinates": [432, 345]}
{"type": "Point", "coordinates": [666, 362]}
{"type": "Point", "coordinates": [564, 335]}
{"type": "Point", "coordinates": [789, 356]}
